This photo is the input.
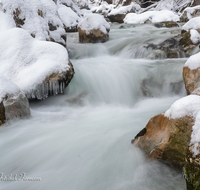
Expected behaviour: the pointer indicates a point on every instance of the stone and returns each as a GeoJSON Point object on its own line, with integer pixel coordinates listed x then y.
{"type": "Point", "coordinates": [167, 24]}
{"type": "Point", "coordinates": [191, 79]}
{"type": "Point", "coordinates": [94, 36]}
{"type": "Point", "coordinates": [192, 169]}
{"type": "Point", "coordinates": [166, 139]}
{"type": "Point", "coordinates": [117, 18]}
{"type": "Point", "coordinates": [184, 16]}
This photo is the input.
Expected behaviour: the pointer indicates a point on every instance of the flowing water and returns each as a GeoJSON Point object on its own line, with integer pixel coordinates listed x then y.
{"type": "Point", "coordinates": [82, 140]}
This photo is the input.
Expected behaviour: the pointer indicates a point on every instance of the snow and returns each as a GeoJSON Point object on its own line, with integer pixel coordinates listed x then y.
{"type": "Point", "coordinates": [68, 16]}
{"type": "Point", "coordinates": [195, 36]}
{"type": "Point", "coordinates": [153, 16]}
{"type": "Point", "coordinates": [7, 87]}
{"type": "Point", "coordinates": [134, 7]}
{"type": "Point", "coordinates": [94, 22]}
{"type": "Point", "coordinates": [34, 22]}
{"type": "Point", "coordinates": [5, 22]}
{"type": "Point", "coordinates": [194, 23]}
{"type": "Point", "coordinates": [189, 105]}
{"type": "Point", "coordinates": [193, 62]}
{"type": "Point", "coordinates": [27, 61]}
{"type": "Point", "coordinates": [104, 8]}
{"type": "Point", "coordinates": [190, 10]}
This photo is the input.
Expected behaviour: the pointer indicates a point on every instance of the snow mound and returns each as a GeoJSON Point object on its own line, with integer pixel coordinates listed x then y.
{"type": "Point", "coordinates": [194, 23]}
{"type": "Point", "coordinates": [189, 105]}
{"type": "Point", "coordinates": [7, 87]}
{"type": "Point", "coordinates": [68, 16]}
{"type": "Point", "coordinates": [27, 61]}
{"type": "Point", "coordinates": [35, 16]}
{"type": "Point", "coordinates": [94, 22]}
{"type": "Point", "coordinates": [134, 7]}
{"type": "Point", "coordinates": [152, 16]}
{"type": "Point", "coordinates": [193, 62]}
{"type": "Point", "coordinates": [103, 8]}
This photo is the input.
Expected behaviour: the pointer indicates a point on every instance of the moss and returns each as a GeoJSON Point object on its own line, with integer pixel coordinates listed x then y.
{"type": "Point", "coordinates": [2, 114]}
{"type": "Point", "coordinates": [192, 172]}
{"type": "Point", "coordinates": [185, 40]}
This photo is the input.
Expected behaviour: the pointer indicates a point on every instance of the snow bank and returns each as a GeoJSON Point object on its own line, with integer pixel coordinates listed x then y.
{"type": "Point", "coordinates": [134, 7]}
{"type": "Point", "coordinates": [94, 22]}
{"type": "Point", "coordinates": [153, 16]}
{"type": "Point", "coordinates": [193, 62]}
{"type": "Point", "coordinates": [104, 8]}
{"type": "Point", "coordinates": [68, 16]}
{"type": "Point", "coordinates": [7, 87]}
{"type": "Point", "coordinates": [27, 61]}
{"type": "Point", "coordinates": [194, 23]}
{"type": "Point", "coordinates": [36, 15]}
{"type": "Point", "coordinates": [189, 105]}
{"type": "Point", "coordinates": [5, 22]}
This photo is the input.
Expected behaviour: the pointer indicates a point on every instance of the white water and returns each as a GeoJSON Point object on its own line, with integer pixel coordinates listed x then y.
{"type": "Point", "coordinates": [82, 140]}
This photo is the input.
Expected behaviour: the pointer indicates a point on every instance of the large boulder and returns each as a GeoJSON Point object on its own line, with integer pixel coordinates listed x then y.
{"type": "Point", "coordinates": [93, 28]}
{"type": "Point", "coordinates": [38, 68]}
{"type": "Point", "coordinates": [13, 102]}
{"type": "Point", "coordinates": [166, 136]}
{"type": "Point", "coordinates": [191, 73]}
{"type": "Point", "coordinates": [118, 14]}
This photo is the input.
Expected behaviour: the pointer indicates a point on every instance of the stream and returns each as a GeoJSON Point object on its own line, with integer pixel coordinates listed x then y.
{"type": "Point", "coordinates": [82, 140]}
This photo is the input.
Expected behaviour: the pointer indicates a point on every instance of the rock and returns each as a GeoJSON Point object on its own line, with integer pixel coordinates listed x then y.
{"type": "Point", "coordinates": [94, 36]}
{"type": "Point", "coordinates": [166, 139]}
{"type": "Point", "coordinates": [16, 106]}
{"type": "Point", "coordinates": [192, 169]}
{"type": "Point", "coordinates": [191, 79]}
{"type": "Point", "coordinates": [53, 84]}
{"type": "Point", "coordinates": [19, 20]}
{"type": "Point", "coordinates": [177, 47]}
{"type": "Point", "coordinates": [93, 33]}
{"type": "Point", "coordinates": [2, 114]}
{"type": "Point", "coordinates": [167, 24]}
{"type": "Point", "coordinates": [146, 3]}
{"type": "Point", "coordinates": [118, 14]}
{"type": "Point", "coordinates": [189, 13]}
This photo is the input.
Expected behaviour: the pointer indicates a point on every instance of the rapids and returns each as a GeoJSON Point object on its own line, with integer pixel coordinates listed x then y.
{"type": "Point", "coordinates": [82, 140]}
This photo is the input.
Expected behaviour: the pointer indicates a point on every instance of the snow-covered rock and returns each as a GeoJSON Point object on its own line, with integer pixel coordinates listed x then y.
{"type": "Point", "coordinates": [118, 14]}
{"type": "Point", "coordinates": [13, 102]}
{"type": "Point", "coordinates": [38, 17]}
{"type": "Point", "coordinates": [151, 16]}
{"type": "Point", "coordinates": [36, 67]}
{"type": "Point", "coordinates": [69, 18]}
{"type": "Point", "coordinates": [194, 23]}
{"type": "Point", "coordinates": [191, 73]}
{"type": "Point", "coordinates": [93, 28]}
{"type": "Point", "coordinates": [189, 13]}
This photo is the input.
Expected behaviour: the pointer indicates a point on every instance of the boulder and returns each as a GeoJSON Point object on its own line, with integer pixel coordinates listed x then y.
{"type": "Point", "coordinates": [93, 28]}
{"type": "Point", "coordinates": [166, 139]}
{"type": "Point", "coordinates": [167, 24]}
{"type": "Point", "coordinates": [191, 73]}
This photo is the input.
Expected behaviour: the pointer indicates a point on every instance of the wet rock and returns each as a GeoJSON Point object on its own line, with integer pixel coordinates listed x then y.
{"type": "Point", "coordinates": [176, 47]}
{"type": "Point", "coordinates": [166, 139]}
{"type": "Point", "coordinates": [117, 18]}
{"type": "Point", "coordinates": [14, 106]}
{"type": "Point", "coordinates": [167, 24]}
{"type": "Point", "coordinates": [192, 169]}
